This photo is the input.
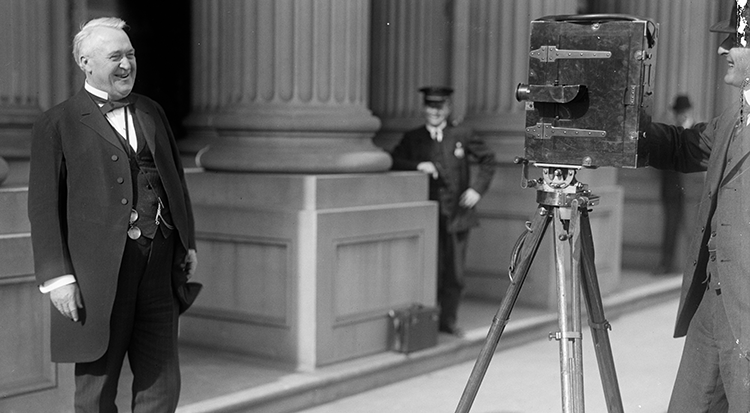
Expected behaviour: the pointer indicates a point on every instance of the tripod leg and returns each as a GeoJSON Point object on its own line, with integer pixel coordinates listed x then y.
{"type": "Point", "coordinates": [569, 315]}
{"type": "Point", "coordinates": [597, 321]}
{"type": "Point", "coordinates": [530, 246]}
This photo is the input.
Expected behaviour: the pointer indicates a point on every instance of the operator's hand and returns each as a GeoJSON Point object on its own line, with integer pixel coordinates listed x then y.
{"type": "Point", "coordinates": [67, 300]}
{"type": "Point", "coordinates": [428, 168]}
{"type": "Point", "coordinates": [190, 263]}
{"type": "Point", "coordinates": [469, 198]}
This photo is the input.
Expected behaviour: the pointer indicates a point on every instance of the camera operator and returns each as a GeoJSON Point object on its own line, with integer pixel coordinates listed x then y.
{"type": "Point", "coordinates": [714, 309]}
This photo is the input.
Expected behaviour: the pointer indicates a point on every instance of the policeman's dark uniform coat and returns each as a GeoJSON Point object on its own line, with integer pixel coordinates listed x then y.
{"type": "Point", "coordinates": [451, 158]}
{"type": "Point", "coordinates": [80, 199]}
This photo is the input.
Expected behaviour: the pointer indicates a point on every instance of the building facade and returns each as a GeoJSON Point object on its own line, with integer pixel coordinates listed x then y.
{"type": "Point", "coordinates": [284, 110]}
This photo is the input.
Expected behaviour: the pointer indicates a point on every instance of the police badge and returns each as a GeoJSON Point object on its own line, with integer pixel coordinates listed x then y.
{"type": "Point", "coordinates": [458, 152]}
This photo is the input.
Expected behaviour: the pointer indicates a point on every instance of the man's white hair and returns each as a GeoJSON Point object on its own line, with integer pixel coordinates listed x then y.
{"type": "Point", "coordinates": [87, 28]}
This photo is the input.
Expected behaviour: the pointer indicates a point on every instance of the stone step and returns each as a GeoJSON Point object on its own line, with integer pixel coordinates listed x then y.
{"type": "Point", "coordinates": [214, 383]}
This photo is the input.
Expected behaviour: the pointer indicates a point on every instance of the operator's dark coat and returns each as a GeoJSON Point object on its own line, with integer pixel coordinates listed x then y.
{"type": "Point", "coordinates": [80, 197]}
{"type": "Point", "coordinates": [726, 193]}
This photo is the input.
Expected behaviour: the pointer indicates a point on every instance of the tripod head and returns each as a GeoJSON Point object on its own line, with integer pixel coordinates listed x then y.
{"type": "Point", "coordinates": [558, 185]}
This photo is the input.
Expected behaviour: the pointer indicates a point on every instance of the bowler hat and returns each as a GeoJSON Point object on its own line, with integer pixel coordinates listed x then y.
{"type": "Point", "coordinates": [436, 95]}
{"type": "Point", "coordinates": [681, 102]}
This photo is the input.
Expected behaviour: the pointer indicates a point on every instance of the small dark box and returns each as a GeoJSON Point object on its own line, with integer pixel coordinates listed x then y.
{"type": "Point", "coordinates": [413, 328]}
{"type": "Point", "coordinates": [589, 92]}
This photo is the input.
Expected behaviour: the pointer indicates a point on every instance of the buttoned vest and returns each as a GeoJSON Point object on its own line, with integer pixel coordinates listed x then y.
{"type": "Point", "coordinates": [148, 190]}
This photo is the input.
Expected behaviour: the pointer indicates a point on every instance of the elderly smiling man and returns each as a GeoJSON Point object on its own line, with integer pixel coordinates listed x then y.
{"type": "Point", "coordinates": [111, 228]}
{"type": "Point", "coordinates": [714, 310]}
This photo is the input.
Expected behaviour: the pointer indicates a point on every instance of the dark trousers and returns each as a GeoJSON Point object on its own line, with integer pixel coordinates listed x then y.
{"type": "Point", "coordinates": [672, 205]}
{"type": "Point", "coordinates": [143, 326]}
{"type": "Point", "coordinates": [451, 260]}
{"type": "Point", "coordinates": [713, 376]}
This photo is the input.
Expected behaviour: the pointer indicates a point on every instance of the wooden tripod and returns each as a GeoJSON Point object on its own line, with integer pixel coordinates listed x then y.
{"type": "Point", "coordinates": [565, 201]}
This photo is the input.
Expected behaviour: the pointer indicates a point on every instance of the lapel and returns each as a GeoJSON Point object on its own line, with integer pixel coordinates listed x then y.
{"type": "Point", "coordinates": [93, 118]}
{"type": "Point", "coordinates": [143, 116]}
{"type": "Point", "coordinates": [719, 154]}
{"type": "Point", "coordinates": [741, 163]}
{"type": "Point", "coordinates": [427, 146]}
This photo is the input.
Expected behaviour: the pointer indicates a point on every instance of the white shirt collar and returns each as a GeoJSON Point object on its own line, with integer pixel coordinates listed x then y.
{"type": "Point", "coordinates": [94, 91]}
{"type": "Point", "coordinates": [438, 127]}
{"type": "Point", "coordinates": [746, 94]}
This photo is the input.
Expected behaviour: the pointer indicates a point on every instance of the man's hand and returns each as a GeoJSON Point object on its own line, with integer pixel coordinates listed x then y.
{"type": "Point", "coordinates": [469, 198]}
{"type": "Point", "coordinates": [190, 263]}
{"type": "Point", "coordinates": [67, 300]}
{"type": "Point", "coordinates": [428, 168]}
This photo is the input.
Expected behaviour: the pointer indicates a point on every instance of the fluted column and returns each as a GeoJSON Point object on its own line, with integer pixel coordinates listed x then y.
{"type": "Point", "coordinates": [686, 63]}
{"type": "Point", "coordinates": [498, 59]}
{"type": "Point", "coordinates": [411, 48]}
{"type": "Point", "coordinates": [687, 56]}
{"type": "Point", "coordinates": [282, 86]}
{"type": "Point", "coordinates": [20, 88]}
{"type": "Point", "coordinates": [36, 68]}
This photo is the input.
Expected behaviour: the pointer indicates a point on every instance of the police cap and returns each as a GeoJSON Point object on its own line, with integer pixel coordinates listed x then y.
{"type": "Point", "coordinates": [436, 96]}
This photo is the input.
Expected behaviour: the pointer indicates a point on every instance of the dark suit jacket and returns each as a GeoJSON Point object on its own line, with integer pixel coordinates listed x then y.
{"type": "Point", "coordinates": [451, 158]}
{"type": "Point", "coordinates": [726, 193]}
{"type": "Point", "coordinates": [80, 197]}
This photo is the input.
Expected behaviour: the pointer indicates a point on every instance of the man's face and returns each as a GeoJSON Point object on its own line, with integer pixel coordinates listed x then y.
{"type": "Point", "coordinates": [738, 59]}
{"type": "Point", "coordinates": [108, 59]}
{"type": "Point", "coordinates": [435, 116]}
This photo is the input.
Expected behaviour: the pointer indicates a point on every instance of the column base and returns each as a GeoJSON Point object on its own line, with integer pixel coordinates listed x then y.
{"type": "Point", "coordinates": [4, 170]}
{"type": "Point", "coordinates": [295, 154]}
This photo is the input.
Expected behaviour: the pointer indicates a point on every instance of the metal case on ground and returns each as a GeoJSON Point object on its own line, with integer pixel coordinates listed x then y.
{"type": "Point", "coordinates": [413, 328]}
{"type": "Point", "coordinates": [589, 92]}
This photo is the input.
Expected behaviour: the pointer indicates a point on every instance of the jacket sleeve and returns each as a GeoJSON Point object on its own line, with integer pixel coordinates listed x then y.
{"type": "Point", "coordinates": [403, 155]}
{"type": "Point", "coordinates": [47, 202]}
{"type": "Point", "coordinates": [676, 148]}
{"type": "Point", "coordinates": [181, 173]}
{"type": "Point", "coordinates": [485, 159]}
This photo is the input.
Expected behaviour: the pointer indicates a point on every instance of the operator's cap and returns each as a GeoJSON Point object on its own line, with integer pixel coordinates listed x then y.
{"type": "Point", "coordinates": [681, 102]}
{"type": "Point", "coordinates": [436, 96]}
{"type": "Point", "coordinates": [729, 25]}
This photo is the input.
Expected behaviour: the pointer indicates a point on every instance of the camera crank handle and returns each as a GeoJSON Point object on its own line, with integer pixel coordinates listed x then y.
{"type": "Point", "coordinates": [525, 181]}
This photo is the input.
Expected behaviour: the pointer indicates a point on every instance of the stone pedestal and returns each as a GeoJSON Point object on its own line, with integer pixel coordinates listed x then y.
{"type": "Point", "coordinates": [29, 381]}
{"type": "Point", "coordinates": [303, 269]}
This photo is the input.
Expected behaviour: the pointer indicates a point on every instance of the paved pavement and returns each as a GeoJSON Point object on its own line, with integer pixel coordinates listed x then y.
{"type": "Point", "coordinates": [527, 379]}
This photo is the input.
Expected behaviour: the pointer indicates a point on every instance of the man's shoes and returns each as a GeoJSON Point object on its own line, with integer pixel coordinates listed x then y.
{"type": "Point", "coordinates": [452, 330]}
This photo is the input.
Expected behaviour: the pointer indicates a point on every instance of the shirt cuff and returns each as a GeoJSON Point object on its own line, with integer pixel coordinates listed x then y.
{"type": "Point", "coordinates": [58, 282]}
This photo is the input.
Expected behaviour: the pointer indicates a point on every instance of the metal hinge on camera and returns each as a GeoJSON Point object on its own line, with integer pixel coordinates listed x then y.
{"type": "Point", "coordinates": [547, 131]}
{"type": "Point", "coordinates": [551, 53]}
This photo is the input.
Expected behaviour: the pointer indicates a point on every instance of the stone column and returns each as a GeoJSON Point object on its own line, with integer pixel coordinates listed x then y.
{"type": "Point", "coordinates": [19, 92]}
{"type": "Point", "coordinates": [497, 35]}
{"type": "Point", "coordinates": [304, 249]}
{"type": "Point", "coordinates": [411, 48]}
{"type": "Point", "coordinates": [686, 63]}
{"type": "Point", "coordinates": [480, 47]}
{"type": "Point", "coordinates": [281, 86]}
{"type": "Point", "coordinates": [36, 63]}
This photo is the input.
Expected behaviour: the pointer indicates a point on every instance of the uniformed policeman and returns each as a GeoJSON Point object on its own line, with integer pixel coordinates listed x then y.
{"type": "Point", "coordinates": [444, 152]}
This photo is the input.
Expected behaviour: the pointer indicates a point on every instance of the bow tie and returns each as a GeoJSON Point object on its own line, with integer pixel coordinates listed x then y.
{"type": "Point", "coordinates": [110, 105]}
